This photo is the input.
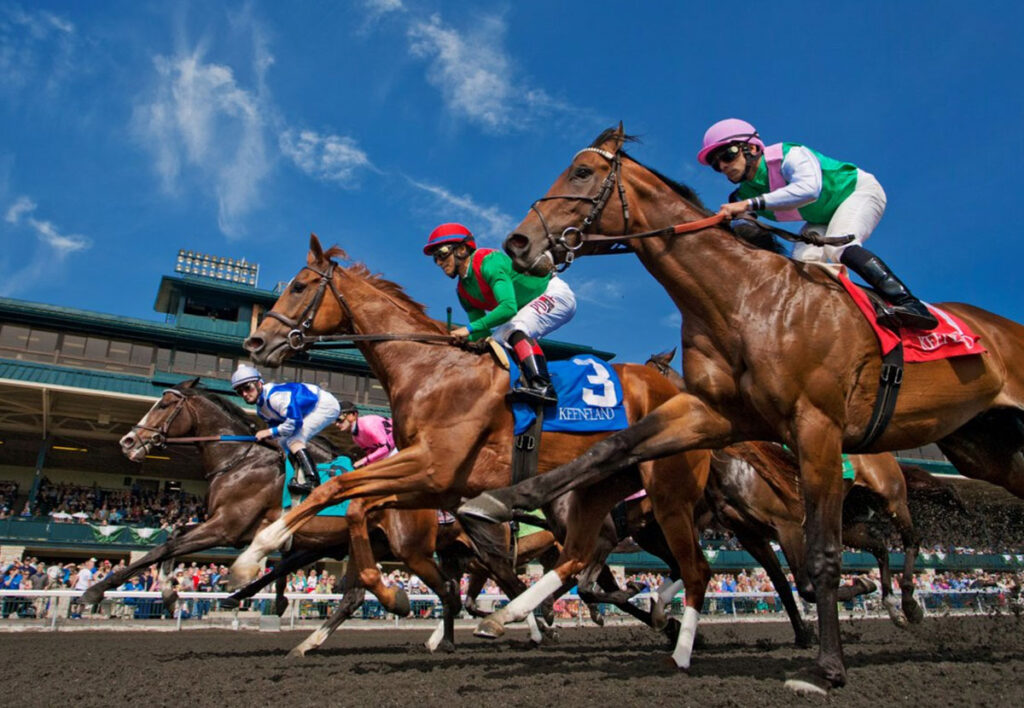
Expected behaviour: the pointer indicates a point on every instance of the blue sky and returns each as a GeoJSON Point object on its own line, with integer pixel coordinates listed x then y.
{"type": "Point", "coordinates": [129, 130]}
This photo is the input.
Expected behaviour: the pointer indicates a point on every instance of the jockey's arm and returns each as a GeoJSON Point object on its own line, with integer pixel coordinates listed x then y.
{"type": "Point", "coordinates": [803, 173]}
{"type": "Point", "coordinates": [499, 276]}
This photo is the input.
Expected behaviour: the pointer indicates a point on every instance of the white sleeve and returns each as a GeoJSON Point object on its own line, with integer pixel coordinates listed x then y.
{"type": "Point", "coordinates": [803, 172]}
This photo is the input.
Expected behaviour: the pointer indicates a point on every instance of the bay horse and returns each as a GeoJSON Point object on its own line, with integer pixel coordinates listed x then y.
{"type": "Point", "coordinates": [454, 430]}
{"type": "Point", "coordinates": [246, 483]}
{"type": "Point", "coordinates": [753, 501]}
{"type": "Point", "coordinates": [773, 350]}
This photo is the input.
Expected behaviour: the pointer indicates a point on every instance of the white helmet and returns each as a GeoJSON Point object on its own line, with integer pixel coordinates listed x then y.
{"type": "Point", "coordinates": [244, 374]}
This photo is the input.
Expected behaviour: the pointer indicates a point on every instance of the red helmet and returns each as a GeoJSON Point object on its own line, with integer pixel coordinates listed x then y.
{"type": "Point", "coordinates": [449, 233]}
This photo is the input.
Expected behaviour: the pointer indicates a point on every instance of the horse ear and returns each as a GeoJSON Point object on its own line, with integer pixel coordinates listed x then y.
{"type": "Point", "coordinates": [316, 251]}
{"type": "Point", "coordinates": [194, 383]}
{"type": "Point", "coordinates": [620, 137]}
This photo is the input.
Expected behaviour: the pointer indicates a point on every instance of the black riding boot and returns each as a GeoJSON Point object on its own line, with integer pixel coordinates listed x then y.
{"type": "Point", "coordinates": [538, 389]}
{"type": "Point", "coordinates": [907, 310]}
{"type": "Point", "coordinates": [306, 476]}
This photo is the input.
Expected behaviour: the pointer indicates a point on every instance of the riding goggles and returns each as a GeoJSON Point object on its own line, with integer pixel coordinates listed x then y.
{"type": "Point", "coordinates": [442, 252]}
{"type": "Point", "coordinates": [724, 156]}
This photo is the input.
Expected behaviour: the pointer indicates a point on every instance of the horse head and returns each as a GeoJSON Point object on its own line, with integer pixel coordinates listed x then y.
{"type": "Point", "coordinates": [551, 234]}
{"type": "Point", "coordinates": [309, 305]}
{"type": "Point", "coordinates": [170, 416]}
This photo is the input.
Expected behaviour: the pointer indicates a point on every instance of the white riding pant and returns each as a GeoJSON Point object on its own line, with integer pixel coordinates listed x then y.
{"type": "Point", "coordinates": [858, 216]}
{"type": "Point", "coordinates": [326, 412]}
{"type": "Point", "coordinates": [542, 315]}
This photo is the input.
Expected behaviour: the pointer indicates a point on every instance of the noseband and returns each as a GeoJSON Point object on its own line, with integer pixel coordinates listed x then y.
{"type": "Point", "coordinates": [598, 202]}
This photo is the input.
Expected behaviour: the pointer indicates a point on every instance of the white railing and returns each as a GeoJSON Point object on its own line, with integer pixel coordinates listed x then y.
{"type": "Point", "coordinates": [53, 606]}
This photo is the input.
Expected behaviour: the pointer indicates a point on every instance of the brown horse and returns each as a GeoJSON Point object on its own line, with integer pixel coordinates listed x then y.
{"type": "Point", "coordinates": [750, 502]}
{"type": "Point", "coordinates": [246, 483]}
{"type": "Point", "coordinates": [773, 350]}
{"type": "Point", "coordinates": [454, 430]}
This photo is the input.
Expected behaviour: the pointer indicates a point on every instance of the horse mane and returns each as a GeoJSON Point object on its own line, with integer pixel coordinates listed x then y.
{"type": "Point", "coordinates": [230, 409]}
{"type": "Point", "coordinates": [388, 287]}
{"type": "Point", "coordinates": [776, 465]}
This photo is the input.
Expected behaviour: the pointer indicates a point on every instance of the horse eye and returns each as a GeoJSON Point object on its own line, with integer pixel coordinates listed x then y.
{"type": "Point", "coordinates": [582, 172]}
{"type": "Point", "coordinates": [298, 287]}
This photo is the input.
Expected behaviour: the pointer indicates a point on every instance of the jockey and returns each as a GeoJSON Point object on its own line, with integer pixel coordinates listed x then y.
{"type": "Point", "coordinates": [373, 433]}
{"type": "Point", "coordinates": [295, 411]}
{"type": "Point", "coordinates": [514, 308]}
{"type": "Point", "coordinates": [791, 182]}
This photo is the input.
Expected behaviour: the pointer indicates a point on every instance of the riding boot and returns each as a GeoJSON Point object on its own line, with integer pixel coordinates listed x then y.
{"type": "Point", "coordinates": [906, 310]}
{"type": "Point", "coordinates": [306, 476]}
{"type": "Point", "coordinates": [538, 389]}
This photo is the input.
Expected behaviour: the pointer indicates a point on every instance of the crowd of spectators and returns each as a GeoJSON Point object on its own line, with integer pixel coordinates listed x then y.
{"type": "Point", "coordinates": [70, 503]}
{"type": "Point", "coordinates": [8, 497]}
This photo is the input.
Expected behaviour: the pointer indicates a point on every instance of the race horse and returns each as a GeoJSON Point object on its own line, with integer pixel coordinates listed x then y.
{"type": "Point", "coordinates": [757, 496]}
{"type": "Point", "coordinates": [246, 483]}
{"type": "Point", "coordinates": [773, 350]}
{"type": "Point", "coordinates": [454, 431]}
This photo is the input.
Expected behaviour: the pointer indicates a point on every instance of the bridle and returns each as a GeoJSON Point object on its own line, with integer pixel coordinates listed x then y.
{"type": "Point", "coordinates": [298, 336]}
{"type": "Point", "coordinates": [160, 439]}
{"type": "Point", "coordinates": [598, 202]}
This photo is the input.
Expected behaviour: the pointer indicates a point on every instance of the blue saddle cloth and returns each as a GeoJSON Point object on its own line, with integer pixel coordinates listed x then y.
{"type": "Point", "coordinates": [589, 398]}
{"type": "Point", "coordinates": [327, 470]}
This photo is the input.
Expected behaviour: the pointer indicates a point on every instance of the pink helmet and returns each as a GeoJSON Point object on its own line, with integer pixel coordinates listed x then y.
{"type": "Point", "coordinates": [730, 130]}
{"type": "Point", "coordinates": [449, 233]}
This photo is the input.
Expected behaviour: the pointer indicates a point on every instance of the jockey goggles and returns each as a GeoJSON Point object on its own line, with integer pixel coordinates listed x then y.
{"type": "Point", "coordinates": [724, 156]}
{"type": "Point", "coordinates": [442, 252]}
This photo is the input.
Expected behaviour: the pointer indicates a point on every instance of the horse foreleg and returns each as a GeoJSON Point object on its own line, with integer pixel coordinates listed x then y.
{"type": "Point", "coordinates": [350, 602]}
{"type": "Point", "coordinates": [209, 534]}
{"type": "Point", "coordinates": [682, 423]}
{"type": "Point", "coordinates": [290, 562]}
{"type": "Point", "coordinates": [819, 447]}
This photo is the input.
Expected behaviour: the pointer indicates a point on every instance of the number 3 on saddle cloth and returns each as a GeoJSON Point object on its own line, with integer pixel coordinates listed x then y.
{"type": "Point", "coordinates": [326, 470]}
{"type": "Point", "coordinates": [589, 398]}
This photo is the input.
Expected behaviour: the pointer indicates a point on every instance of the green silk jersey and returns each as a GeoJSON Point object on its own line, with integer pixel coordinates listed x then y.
{"type": "Point", "coordinates": [838, 180]}
{"type": "Point", "coordinates": [511, 291]}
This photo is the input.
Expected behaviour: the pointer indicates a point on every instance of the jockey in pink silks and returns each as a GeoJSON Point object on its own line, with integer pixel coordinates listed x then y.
{"type": "Point", "coordinates": [373, 433]}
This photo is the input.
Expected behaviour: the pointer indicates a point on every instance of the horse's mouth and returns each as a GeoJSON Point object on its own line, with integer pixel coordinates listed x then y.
{"type": "Point", "coordinates": [543, 264]}
{"type": "Point", "coordinates": [273, 355]}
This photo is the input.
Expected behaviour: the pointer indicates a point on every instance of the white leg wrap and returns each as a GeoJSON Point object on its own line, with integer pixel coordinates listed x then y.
{"type": "Point", "coordinates": [435, 637]}
{"type": "Point", "coordinates": [684, 644]}
{"type": "Point", "coordinates": [535, 633]}
{"type": "Point", "coordinates": [268, 540]}
{"type": "Point", "coordinates": [524, 605]}
{"type": "Point", "coordinates": [669, 590]}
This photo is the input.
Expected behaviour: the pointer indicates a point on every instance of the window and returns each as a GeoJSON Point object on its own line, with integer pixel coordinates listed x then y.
{"type": "Point", "coordinates": [163, 359]}
{"type": "Point", "coordinates": [225, 366]}
{"type": "Point", "coordinates": [73, 345]}
{"type": "Point", "coordinates": [142, 355]}
{"type": "Point", "coordinates": [119, 351]}
{"type": "Point", "coordinates": [184, 362]}
{"type": "Point", "coordinates": [41, 340]}
{"type": "Point", "coordinates": [206, 365]}
{"type": "Point", "coordinates": [96, 348]}
{"type": "Point", "coordinates": [13, 336]}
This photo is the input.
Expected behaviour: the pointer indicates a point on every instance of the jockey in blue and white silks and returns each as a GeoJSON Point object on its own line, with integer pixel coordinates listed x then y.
{"type": "Point", "coordinates": [295, 412]}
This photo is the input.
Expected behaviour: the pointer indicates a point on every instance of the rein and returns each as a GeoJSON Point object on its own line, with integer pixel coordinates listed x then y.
{"type": "Point", "coordinates": [582, 235]}
{"type": "Point", "coordinates": [299, 338]}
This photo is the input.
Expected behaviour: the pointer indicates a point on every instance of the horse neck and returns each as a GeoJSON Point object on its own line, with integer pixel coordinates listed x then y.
{"type": "Point", "coordinates": [703, 272]}
{"type": "Point", "coordinates": [397, 365]}
{"type": "Point", "coordinates": [210, 419]}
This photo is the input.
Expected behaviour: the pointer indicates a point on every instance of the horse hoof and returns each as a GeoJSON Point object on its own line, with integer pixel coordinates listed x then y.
{"type": "Point", "coordinates": [809, 682]}
{"type": "Point", "coordinates": [169, 598]}
{"type": "Point", "coordinates": [230, 603]}
{"type": "Point", "coordinates": [446, 646]}
{"type": "Point", "coordinates": [671, 632]}
{"type": "Point", "coordinates": [489, 629]}
{"type": "Point", "coordinates": [913, 612]}
{"type": "Point", "coordinates": [280, 606]}
{"type": "Point", "coordinates": [240, 576]}
{"type": "Point", "coordinates": [401, 606]}
{"type": "Point", "coordinates": [485, 508]}
{"type": "Point", "coordinates": [91, 597]}
{"type": "Point", "coordinates": [297, 653]}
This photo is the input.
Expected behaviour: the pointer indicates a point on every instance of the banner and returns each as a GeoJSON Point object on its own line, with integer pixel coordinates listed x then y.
{"type": "Point", "coordinates": [106, 534]}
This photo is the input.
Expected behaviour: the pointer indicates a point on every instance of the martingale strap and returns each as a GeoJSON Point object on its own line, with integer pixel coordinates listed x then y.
{"type": "Point", "coordinates": [889, 382]}
{"type": "Point", "coordinates": [526, 449]}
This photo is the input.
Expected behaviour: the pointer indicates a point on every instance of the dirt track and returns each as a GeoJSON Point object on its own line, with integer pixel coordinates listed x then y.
{"type": "Point", "coordinates": [944, 662]}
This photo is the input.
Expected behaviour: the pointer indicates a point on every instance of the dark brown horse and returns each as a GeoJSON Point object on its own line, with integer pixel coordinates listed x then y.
{"type": "Point", "coordinates": [754, 491]}
{"type": "Point", "coordinates": [454, 429]}
{"type": "Point", "coordinates": [773, 350]}
{"type": "Point", "coordinates": [246, 483]}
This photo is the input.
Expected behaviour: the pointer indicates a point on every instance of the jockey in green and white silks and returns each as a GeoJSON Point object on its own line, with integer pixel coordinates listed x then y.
{"type": "Point", "coordinates": [514, 308]}
{"type": "Point", "coordinates": [792, 182]}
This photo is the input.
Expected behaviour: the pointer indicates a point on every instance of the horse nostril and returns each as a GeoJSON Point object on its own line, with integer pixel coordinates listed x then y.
{"type": "Point", "coordinates": [516, 244]}
{"type": "Point", "coordinates": [127, 441]}
{"type": "Point", "coordinates": [253, 344]}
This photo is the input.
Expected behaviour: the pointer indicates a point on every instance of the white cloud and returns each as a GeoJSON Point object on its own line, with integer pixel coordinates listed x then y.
{"type": "Point", "coordinates": [600, 292]}
{"type": "Point", "coordinates": [383, 7]}
{"type": "Point", "coordinates": [472, 73]}
{"type": "Point", "coordinates": [333, 158]}
{"type": "Point", "coordinates": [36, 48]}
{"type": "Point", "coordinates": [55, 247]}
{"type": "Point", "coordinates": [199, 119]}
{"type": "Point", "coordinates": [487, 222]}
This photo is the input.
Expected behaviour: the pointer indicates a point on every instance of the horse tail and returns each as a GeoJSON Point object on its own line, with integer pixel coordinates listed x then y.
{"type": "Point", "coordinates": [924, 486]}
{"type": "Point", "coordinates": [776, 465]}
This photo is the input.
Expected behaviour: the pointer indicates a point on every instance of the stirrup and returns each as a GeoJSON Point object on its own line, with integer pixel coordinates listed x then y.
{"type": "Point", "coordinates": [909, 316]}
{"type": "Point", "coordinates": [544, 396]}
{"type": "Point", "coordinates": [296, 487]}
